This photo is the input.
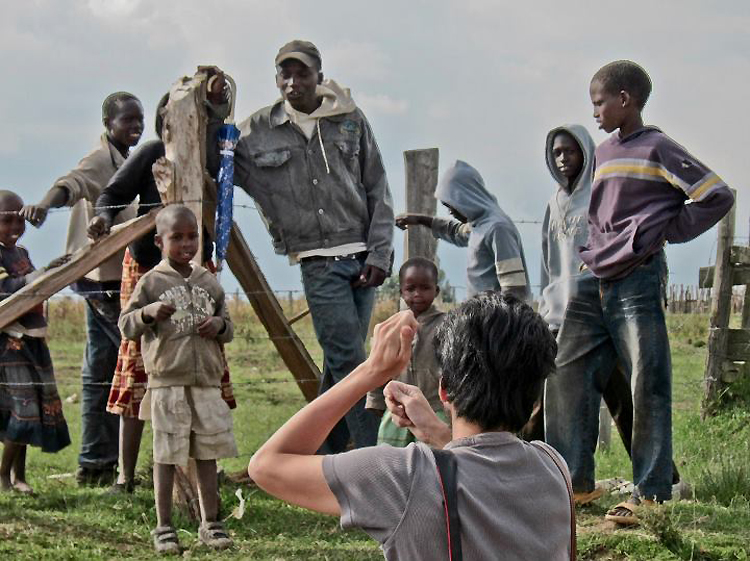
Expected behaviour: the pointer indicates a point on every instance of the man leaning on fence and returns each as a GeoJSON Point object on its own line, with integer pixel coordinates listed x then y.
{"type": "Point", "coordinates": [311, 163]}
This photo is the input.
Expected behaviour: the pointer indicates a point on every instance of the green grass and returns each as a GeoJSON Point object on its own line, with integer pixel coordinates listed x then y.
{"type": "Point", "coordinates": [65, 522]}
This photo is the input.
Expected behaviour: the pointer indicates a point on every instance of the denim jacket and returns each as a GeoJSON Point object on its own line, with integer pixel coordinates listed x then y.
{"type": "Point", "coordinates": [313, 198]}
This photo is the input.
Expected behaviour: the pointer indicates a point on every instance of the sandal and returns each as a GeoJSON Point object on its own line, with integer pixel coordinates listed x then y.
{"type": "Point", "coordinates": [582, 499]}
{"type": "Point", "coordinates": [214, 535]}
{"type": "Point", "coordinates": [626, 512]}
{"type": "Point", "coordinates": [165, 540]}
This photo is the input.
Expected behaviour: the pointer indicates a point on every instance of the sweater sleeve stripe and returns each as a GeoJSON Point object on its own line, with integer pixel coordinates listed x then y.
{"type": "Point", "coordinates": [509, 266]}
{"type": "Point", "coordinates": [512, 280]}
{"type": "Point", "coordinates": [708, 184]}
{"type": "Point", "coordinates": [639, 169]}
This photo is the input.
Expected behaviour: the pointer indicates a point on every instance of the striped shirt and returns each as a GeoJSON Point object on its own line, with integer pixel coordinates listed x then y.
{"type": "Point", "coordinates": [647, 190]}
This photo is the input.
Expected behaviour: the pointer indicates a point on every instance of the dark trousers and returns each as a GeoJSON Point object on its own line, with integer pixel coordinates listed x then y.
{"type": "Point", "coordinates": [99, 429]}
{"type": "Point", "coordinates": [606, 323]}
{"type": "Point", "coordinates": [341, 317]}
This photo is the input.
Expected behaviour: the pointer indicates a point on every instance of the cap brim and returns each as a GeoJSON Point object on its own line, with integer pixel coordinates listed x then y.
{"type": "Point", "coordinates": [304, 58]}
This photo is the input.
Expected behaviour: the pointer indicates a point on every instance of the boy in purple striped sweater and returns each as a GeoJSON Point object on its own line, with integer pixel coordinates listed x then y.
{"type": "Point", "coordinates": [642, 182]}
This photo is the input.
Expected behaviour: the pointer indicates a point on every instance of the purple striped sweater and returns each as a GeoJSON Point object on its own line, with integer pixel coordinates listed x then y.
{"type": "Point", "coordinates": [647, 190]}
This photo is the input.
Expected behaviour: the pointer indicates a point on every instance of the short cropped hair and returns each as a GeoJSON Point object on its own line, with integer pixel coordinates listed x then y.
{"type": "Point", "coordinates": [625, 75]}
{"type": "Point", "coordinates": [494, 352]}
{"type": "Point", "coordinates": [159, 120]}
{"type": "Point", "coordinates": [421, 262]}
{"type": "Point", "coordinates": [171, 213]}
{"type": "Point", "coordinates": [110, 103]}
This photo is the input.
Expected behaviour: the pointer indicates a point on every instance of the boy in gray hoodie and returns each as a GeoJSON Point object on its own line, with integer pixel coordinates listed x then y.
{"type": "Point", "coordinates": [569, 152]}
{"type": "Point", "coordinates": [496, 260]}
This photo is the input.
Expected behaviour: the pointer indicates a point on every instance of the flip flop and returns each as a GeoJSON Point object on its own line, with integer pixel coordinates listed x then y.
{"type": "Point", "coordinates": [582, 499]}
{"type": "Point", "coordinates": [626, 512]}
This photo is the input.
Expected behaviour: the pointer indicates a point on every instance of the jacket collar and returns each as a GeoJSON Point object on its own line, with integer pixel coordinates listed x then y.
{"type": "Point", "coordinates": [429, 314]}
{"type": "Point", "coordinates": [164, 267]}
{"type": "Point", "coordinates": [277, 116]}
{"type": "Point", "coordinates": [114, 153]}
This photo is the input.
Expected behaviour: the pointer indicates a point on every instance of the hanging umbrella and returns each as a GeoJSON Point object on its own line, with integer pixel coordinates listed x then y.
{"type": "Point", "coordinates": [228, 137]}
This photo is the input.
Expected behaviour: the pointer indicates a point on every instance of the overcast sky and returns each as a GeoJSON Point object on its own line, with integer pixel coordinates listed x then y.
{"type": "Point", "coordinates": [481, 80]}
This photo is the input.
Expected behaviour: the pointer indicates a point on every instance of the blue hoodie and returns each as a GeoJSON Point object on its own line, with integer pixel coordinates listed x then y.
{"type": "Point", "coordinates": [565, 229]}
{"type": "Point", "coordinates": [496, 260]}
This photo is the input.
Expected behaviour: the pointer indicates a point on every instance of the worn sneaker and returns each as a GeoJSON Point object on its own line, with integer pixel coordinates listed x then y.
{"type": "Point", "coordinates": [214, 535]}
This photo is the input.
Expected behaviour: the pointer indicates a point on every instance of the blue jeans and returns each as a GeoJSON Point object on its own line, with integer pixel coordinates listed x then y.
{"type": "Point", "coordinates": [604, 322]}
{"type": "Point", "coordinates": [99, 429]}
{"type": "Point", "coordinates": [341, 318]}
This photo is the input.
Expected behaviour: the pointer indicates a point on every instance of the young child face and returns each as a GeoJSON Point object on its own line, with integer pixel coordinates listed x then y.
{"type": "Point", "coordinates": [608, 108]}
{"type": "Point", "coordinates": [568, 155]}
{"type": "Point", "coordinates": [179, 243]}
{"type": "Point", "coordinates": [418, 288]}
{"type": "Point", "coordinates": [12, 224]}
{"type": "Point", "coordinates": [126, 127]}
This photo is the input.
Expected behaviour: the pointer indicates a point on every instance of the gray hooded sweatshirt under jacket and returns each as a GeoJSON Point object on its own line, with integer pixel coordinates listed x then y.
{"type": "Point", "coordinates": [565, 229]}
{"type": "Point", "coordinates": [496, 260]}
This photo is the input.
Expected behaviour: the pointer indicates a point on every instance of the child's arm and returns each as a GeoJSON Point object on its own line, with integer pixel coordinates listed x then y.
{"type": "Point", "coordinates": [451, 231]}
{"type": "Point", "coordinates": [699, 216]}
{"type": "Point", "coordinates": [710, 197]}
{"type": "Point", "coordinates": [218, 326]}
{"type": "Point", "coordinates": [10, 284]}
{"type": "Point", "coordinates": [36, 214]}
{"type": "Point", "coordinates": [141, 313]}
{"type": "Point", "coordinates": [511, 275]}
{"type": "Point", "coordinates": [545, 252]}
{"type": "Point", "coordinates": [124, 186]}
{"type": "Point", "coordinates": [83, 182]}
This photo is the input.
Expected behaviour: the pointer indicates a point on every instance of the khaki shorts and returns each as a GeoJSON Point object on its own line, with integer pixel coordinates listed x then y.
{"type": "Point", "coordinates": [189, 422]}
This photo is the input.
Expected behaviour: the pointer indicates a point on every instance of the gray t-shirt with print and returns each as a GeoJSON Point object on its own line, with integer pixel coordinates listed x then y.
{"type": "Point", "coordinates": [512, 499]}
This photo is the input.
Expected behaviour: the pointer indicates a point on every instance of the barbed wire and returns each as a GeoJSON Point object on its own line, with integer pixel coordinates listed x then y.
{"type": "Point", "coordinates": [187, 201]}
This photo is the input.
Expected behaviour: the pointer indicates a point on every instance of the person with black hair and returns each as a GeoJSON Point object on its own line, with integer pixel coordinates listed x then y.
{"type": "Point", "coordinates": [135, 180]}
{"type": "Point", "coordinates": [513, 497]}
{"type": "Point", "coordinates": [647, 191]}
{"type": "Point", "coordinates": [418, 284]}
{"type": "Point", "coordinates": [311, 164]}
{"type": "Point", "coordinates": [122, 116]}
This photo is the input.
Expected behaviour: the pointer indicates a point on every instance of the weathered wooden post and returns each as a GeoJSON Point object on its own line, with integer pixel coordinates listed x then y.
{"type": "Point", "coordinates": [421, 168]}
{"type": "Point", "coordinates": [721, 307]}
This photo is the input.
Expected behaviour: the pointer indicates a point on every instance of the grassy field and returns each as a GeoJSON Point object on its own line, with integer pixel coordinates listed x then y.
{"type": "Point", "coordinates": [66, 522]}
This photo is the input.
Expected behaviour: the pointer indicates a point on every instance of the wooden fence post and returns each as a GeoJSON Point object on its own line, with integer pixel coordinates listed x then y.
{"type": "Point", "coordinates": [721, 307]}
{"type": "Point", "coordinates": [421, 168]}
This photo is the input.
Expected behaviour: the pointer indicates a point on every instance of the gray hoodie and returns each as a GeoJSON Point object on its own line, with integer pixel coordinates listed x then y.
{"type": "Point", "coordinates": [565, 229]}
{"type": "Point", "coordinates": [496, 260]}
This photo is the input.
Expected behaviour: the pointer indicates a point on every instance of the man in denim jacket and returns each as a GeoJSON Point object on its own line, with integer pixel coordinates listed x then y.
{"type": "Point", "coordinates": [311, 163]}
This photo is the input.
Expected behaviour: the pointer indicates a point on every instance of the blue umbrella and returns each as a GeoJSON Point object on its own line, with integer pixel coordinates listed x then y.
{"type": "Point", "coordinates": [228, 137]}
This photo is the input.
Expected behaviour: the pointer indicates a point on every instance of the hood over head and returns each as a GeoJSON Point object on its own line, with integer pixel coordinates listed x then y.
{"type": "Point", "coordinates": [462, 187]}
{"type": "Point", "coordinates": [585, 142]}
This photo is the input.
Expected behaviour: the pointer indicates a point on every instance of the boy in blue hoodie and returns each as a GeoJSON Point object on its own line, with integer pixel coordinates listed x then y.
{"type": "Point", "coordinates": [496, 260]}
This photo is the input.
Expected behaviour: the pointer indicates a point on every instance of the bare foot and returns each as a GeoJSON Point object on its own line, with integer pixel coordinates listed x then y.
{"type": "Point", "coordinates": [23, 487]}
